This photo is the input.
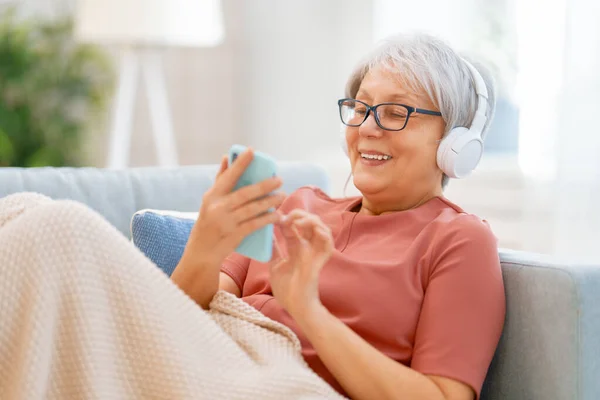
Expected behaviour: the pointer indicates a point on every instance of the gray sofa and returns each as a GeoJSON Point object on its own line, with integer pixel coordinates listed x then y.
{"type": "Point", "coordinates": [550, 348]}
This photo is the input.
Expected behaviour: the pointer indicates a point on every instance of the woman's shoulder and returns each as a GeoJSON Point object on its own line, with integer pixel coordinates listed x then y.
{"type": "Point", "coordinates": [454, 223]}
{"type": "Point", "coordinates": [463, 241]}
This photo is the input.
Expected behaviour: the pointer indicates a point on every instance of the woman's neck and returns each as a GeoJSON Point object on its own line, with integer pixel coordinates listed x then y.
{"type": "Point", "coordinates": [372, 205]}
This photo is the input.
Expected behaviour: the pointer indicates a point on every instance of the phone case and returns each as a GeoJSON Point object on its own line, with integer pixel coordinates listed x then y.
{"type": "Point", "coordinates": [259, 244]}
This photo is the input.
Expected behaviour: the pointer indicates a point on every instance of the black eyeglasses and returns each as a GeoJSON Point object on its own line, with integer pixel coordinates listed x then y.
{"type": "Point", "coordinates": [389, 116]}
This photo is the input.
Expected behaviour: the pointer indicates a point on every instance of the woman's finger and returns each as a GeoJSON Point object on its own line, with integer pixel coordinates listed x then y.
{"type": "Point", "coordinates": [297, 213]}
{"type": "Point", "coordinates": [297, 233]}
{"type": "Point", "coordinates": [257, 207]}
{"type": "Point", "coordinates": [278, 265]}
{"type": "Point", "coordinates": [293, 216]}
{"type": "Point", "coordinates": [308, 224]}
{"type": "Point", "coordinates": [287, 227]}
{"type": "Point", "coordinates": [322, 237]}
{"type": "Point", "coordinates": [278, 251]}
{"type": "Point", "coordinates": [251, 225]}
{"type": "Point", "coordinates": [294, 242]}
{"type": "Point", "coordinates": [250, 193]}
{"type": "Point", "coordinates": [223, 167]}
{"type": "Point", "coordinates": [306, 217]}
{"type": "Point", "coordinates": [228, 179]}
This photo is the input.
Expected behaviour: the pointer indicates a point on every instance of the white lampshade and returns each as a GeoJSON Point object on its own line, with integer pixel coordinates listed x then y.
{"type": "Point", "coordinates": [189, 23]}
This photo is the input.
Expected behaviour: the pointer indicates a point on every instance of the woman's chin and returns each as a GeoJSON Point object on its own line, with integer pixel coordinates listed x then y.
{"type": "Point", "coordinates": [367, 183]}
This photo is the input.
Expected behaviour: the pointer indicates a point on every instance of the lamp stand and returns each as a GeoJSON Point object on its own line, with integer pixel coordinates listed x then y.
{"type": "Point", "coordinates": [149, 62]}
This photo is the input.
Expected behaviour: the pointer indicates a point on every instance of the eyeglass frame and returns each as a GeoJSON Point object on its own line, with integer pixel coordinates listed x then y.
{"type": "Point", "coordinates": [411, 110]}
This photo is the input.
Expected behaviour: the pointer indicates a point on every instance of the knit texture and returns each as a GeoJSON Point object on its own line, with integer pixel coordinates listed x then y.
{"type": "Point", "coordinates": [85, 315]}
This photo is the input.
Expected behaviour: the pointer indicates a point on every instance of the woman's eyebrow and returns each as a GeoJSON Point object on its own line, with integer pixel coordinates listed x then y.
{"type": "Point", "coordinates": [399, 97]}
{"type": "Point", "coordinates": [363, 92]}
{"type": "Point", "coordinates": [403, 98]}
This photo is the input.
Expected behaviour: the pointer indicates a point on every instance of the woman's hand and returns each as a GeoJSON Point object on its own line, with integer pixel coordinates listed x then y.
{"type": "Point", "coordinates": [295, 278]}
{"type": "Point", "coordinates": [224, 220]}
{"type": "Point", "coordinates": [227, 217]}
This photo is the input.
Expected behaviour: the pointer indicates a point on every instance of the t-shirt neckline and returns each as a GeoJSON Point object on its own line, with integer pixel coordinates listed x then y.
{"type": "Point", "coordinates": [428, 205]}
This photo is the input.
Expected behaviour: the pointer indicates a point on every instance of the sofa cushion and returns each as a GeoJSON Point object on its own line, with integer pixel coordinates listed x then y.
{"type": "Point", "coordinates": [162, 235]}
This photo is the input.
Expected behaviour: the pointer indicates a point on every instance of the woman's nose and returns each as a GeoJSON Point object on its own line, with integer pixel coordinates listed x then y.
{"type": "Point", "coordinates": [369, 128]}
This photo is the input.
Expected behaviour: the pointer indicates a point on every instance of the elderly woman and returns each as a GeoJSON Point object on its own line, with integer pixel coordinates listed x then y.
{"type": "Point", "coordinates": [397, 293]}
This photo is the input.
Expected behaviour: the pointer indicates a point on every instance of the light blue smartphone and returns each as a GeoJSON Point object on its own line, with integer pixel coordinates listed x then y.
{"type": "Point", "coordinates": [259, 244]}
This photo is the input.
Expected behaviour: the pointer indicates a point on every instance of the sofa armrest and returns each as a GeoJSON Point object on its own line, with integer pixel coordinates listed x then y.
{"type": "Point", "coordinates": [550, 347]}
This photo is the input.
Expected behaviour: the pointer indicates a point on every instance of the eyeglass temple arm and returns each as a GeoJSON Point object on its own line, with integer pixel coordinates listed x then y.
{"type": "Point", "coordinates": [428, 112]}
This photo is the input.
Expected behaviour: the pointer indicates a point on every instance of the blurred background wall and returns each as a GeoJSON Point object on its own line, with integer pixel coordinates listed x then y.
{"type": "Point", "coordinates": [274, 80]}
{"type": "Point", "coordinates": [279, 58]}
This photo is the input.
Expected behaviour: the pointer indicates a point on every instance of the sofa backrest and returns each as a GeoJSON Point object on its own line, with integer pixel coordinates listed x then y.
{"type": "Point", "coordinates": [550, 345]}
{"type": "Point", "coordinates": [118, 194]}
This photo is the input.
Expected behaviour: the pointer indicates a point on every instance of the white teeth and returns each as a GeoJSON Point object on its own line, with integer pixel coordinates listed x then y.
{"type": "Point", "coordinates": [375, 157]}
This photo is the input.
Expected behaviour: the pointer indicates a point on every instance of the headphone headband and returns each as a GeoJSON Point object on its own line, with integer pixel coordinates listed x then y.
{"type": "Point", "coordinates": [480, 86]}
{"type": "Point", "coordinates": [482, 97]}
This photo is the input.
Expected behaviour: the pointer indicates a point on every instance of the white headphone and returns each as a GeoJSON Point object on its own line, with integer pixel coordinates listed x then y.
{"type": "Point", "coordinates": [460, 151]}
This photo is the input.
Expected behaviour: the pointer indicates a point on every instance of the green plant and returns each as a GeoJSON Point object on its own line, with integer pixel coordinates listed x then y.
{"type": "Point", "coordinates": [51, 90]}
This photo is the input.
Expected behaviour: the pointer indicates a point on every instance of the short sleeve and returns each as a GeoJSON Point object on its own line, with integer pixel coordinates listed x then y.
{"type": "Point", "coordinates": [236, 266]}
{"type": "Point", "coordinates": [463, 310]}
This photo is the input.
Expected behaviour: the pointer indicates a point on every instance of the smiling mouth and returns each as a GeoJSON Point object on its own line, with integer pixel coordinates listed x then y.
{"type": "Point", "coordinates": [380, 157]}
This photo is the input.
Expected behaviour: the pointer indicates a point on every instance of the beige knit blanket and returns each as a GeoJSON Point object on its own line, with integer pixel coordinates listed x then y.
{"type": "Point", "coordinates": [84, 315]}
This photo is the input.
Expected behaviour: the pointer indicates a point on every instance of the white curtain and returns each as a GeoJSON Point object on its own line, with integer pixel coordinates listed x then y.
{"type": "Point", "coordinates": [560, 123]}
{"type": "Point", "coordinates": [546, 57]}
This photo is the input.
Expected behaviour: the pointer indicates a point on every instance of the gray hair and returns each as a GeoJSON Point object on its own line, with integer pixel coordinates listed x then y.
{"type": "Point", "coordinates": [426, 63]}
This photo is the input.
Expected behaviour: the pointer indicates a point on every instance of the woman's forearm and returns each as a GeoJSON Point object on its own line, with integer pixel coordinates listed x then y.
{"type": "Point", "coordinates": [363, 371]}
{"type": "Point", "coordinates": [197, 279]}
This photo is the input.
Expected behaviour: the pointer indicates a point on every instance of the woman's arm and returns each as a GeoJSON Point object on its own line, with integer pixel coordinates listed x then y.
{"type": "Point", "coordinates": [366, 373]}
{"type": "Point", "coordinates": [457, 332]}
{"type": "Point", "coordinates": [225, 218]}
{"type": "Point", "coordinates": [200, 281]}
{"type": "Point", "coordinates": [201, 284]}
{"type": "Point", "coordinates": [227, 284]}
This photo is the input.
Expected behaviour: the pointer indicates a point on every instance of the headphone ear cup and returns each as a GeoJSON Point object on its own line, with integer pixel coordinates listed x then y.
{"type": "Point", "coordinates": [445, 159]}
{"type": "Point", "coordinates": [459, 152]}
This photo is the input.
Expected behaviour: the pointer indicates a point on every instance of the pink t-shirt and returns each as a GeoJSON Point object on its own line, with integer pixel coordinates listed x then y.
{"type": "Point", "coordinates": [424, 286]}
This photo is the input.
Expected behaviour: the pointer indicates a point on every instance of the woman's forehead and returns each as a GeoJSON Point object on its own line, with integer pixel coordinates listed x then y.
{"type": "Point", "coordinates": [382, 82]}
{"type": "Point", "coordinates": [388, 85]}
